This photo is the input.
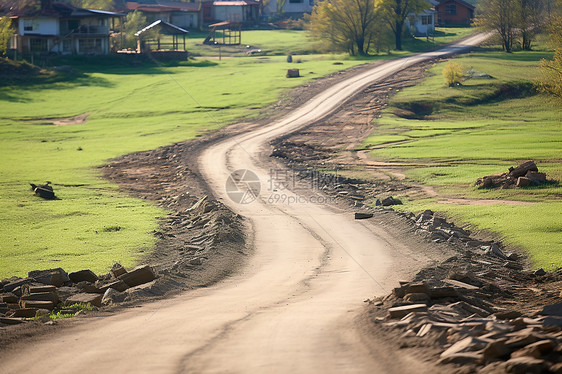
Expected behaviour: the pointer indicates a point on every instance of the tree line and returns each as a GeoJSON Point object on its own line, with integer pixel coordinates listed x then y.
{"type": "Point", "coordinates": [361, 26]}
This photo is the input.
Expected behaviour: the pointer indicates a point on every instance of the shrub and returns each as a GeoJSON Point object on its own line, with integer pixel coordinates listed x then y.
{"type": "Point", "coordinates": [453, 73]}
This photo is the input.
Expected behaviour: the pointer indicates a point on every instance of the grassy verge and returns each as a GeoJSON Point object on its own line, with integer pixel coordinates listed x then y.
{"type": "Point", "coordinates": [453, 135]}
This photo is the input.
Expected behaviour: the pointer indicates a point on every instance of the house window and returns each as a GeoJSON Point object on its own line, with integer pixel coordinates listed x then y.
{"type": "Point", "coordinates": [451, 9]}
{"type": "Point", "coordinates": [426, 20]}
{"type": "Point", "coordinates": [38, 45]}
{"type": "Point", "coordinates": [27, 25]}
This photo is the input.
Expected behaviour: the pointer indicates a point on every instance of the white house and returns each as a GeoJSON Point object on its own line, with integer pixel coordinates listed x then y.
{"type": "Point", "coordinates": [294, 8]}
{"type": "Point", "coordinates": [64, 29]}
{"type": "Point", "coordinates": [423, 24]}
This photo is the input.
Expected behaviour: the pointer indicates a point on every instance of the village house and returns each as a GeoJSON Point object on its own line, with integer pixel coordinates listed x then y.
{"type": "Point", "coordinates": [242, 11]}
{"type": "Point", "coordinates": [291, 8]}
{"type": "Point", "coordinates": [454, 13]}
{"type": "Point", "coordinates": [423, 24]}
{"type": "Point", "coordinates": [63, 29]}
{"type": "Point", "coordinates": [184, 15]}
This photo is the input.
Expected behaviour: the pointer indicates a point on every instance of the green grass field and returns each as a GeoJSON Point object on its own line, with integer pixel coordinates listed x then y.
{"type": "Point", "coordinates": [481, 128]}
{"type": "Point", "coordinates": [129, 109]}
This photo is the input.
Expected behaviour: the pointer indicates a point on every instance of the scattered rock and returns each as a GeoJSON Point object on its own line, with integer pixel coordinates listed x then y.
{"type": "Point", "coordinates": [83, 275]}
{"type": "Point", "coordinates": [139, 275]}
{"type": "Point", "coordinates": [363, 215]}
{"type": "Point", "coordinates": [85, 298]}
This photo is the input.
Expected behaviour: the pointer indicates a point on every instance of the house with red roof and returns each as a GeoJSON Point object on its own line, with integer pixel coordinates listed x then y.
{"type": "Point", "coordinates": [454, 13]}
{"type": "Point", "coordinates": [183, 15]}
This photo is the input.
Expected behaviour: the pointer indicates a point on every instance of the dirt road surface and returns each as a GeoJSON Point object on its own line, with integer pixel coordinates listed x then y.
{"type": "Point", "coordinates": [293, 308]}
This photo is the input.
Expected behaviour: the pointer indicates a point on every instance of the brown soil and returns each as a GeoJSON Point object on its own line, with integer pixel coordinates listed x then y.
{"type": "Point", "coordinates": [75, 120]}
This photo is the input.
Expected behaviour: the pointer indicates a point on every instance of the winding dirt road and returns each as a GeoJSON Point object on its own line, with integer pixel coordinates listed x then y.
{"type": "Point", "coordinates": [292, 309]}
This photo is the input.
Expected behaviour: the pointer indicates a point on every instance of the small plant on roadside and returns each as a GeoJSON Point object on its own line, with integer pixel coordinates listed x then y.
{"type": "Point", "coordinates": [80, 306]}
{"type": "Point", "coordinates": [453, 73]}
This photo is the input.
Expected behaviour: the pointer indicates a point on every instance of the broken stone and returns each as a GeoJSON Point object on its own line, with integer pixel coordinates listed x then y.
{"type": "Point", "coordinates": [25, 312]}
{"type": "Point", "coordinates": [535, 350]}
{"type": "Point", "coordinates": [460, 284]}
{"type": "Point", "coordinates": [496, 349]}
{"type": "Point", "coordinates": [509, 314]}
{"type": "Point", "coordinates": [117, 285]}
{"type": "Point", "coordinates": [87, 287]}
{"type": "Point", "coordinates": [11, 321]}
{"type": "Point", "coordinates": [536, 177]}
{"type": "Point", "coordinates": [424, 330]}
{"type": "Point", "coordinates": [9, 298]}
{"type": "Point", "coordinates": [442, 292]}
{"type": "Point", "coordinates": [139, 275]}
{"type": "Point", "coordinates": [523, 169]}
{"type": "Point", "coordinates": [112, 296]}
{"type": "Point", "coordinates": [29, 289]}
{"type": "Point", "coordinates": [466, 345]}
{"type": "Point", "coordinates": [83, 275]}
{"type": "Point", "coordinates": [552, 321]}
{"type": "Point", "coordinates": [117, 270]}
{"type": "Point", "coordinates": [389, 201]}
{"type": "Point", "coordinates": [401, 311]}
{"type": "Point", "coordinates": [416, 298]}
{"type": "Point", "coordinates": [38, 304]}
{"type": "Point", "coordinates": [56, 277]}
{"type": "Point", "coordinates": [539, 272]}
{"type": "Point", "coordinates": [462, 358]}
{"type": "Point", "coordinates": [42, 296]}
{"type": "Point", "coordinates": [552, 310]}
{"type": "Point", "coordinates": [85, 298]}
{"type": "Point", "coordinates": [523, 182]}
{"type": "Point", "coordinates": [525, 365]}
{"type": "Point", "coordinates": [363, 215]}
{"type": "Point", "coordinates": [10, 287]}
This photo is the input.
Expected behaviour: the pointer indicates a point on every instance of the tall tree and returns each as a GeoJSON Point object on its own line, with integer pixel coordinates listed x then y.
{"type": "Point", "coordinates": [6, 32]}
{"type": "Point", "coordinates": [500, 16]}
{"type": "Point", "coordinates": [349, 25]}
{"type": "Point", "coordinates": [396, 11]}
{"type": "Point", "coordinates": [551, 77]}
{"type": "Point", "coordinates": [531, 14]}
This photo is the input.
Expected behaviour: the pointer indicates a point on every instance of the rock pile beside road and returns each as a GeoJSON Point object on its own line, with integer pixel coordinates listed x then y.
{"type": "Point", "coordinates": [54, 290]}
{"type": "Point", "coordinates": [525, 175]}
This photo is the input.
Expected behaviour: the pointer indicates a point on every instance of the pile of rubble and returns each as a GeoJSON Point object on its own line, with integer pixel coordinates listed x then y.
{"type": "Point", "coordinates": [438, 230]}
{"type": "Point", "coordinates": [462, 320]}
{"type": "Point", "coordinates": [479, 309]}
{"type": "Point", "coordinates": [45, 291]}
{"type": "Point", "coordinates": [525, 175]}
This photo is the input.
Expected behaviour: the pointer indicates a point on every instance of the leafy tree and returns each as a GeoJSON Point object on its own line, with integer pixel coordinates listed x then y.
{"type": "Point", "coordinates": [551, 70]}
{"type": "Point", "coordinates": [500, 16]}
{"type": "Point", "coordinates": [6, 32]}
{"type": "Point", "coordinates": [531, 14]}
{"type": "Point", "coordinates": [280, 6]}
{"type": "Point", "coordinates": [134, 21]}
{"type": "Point", "coordinates": [395, 13]}
{"type": "Point", "coordinates": [349, 25]}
